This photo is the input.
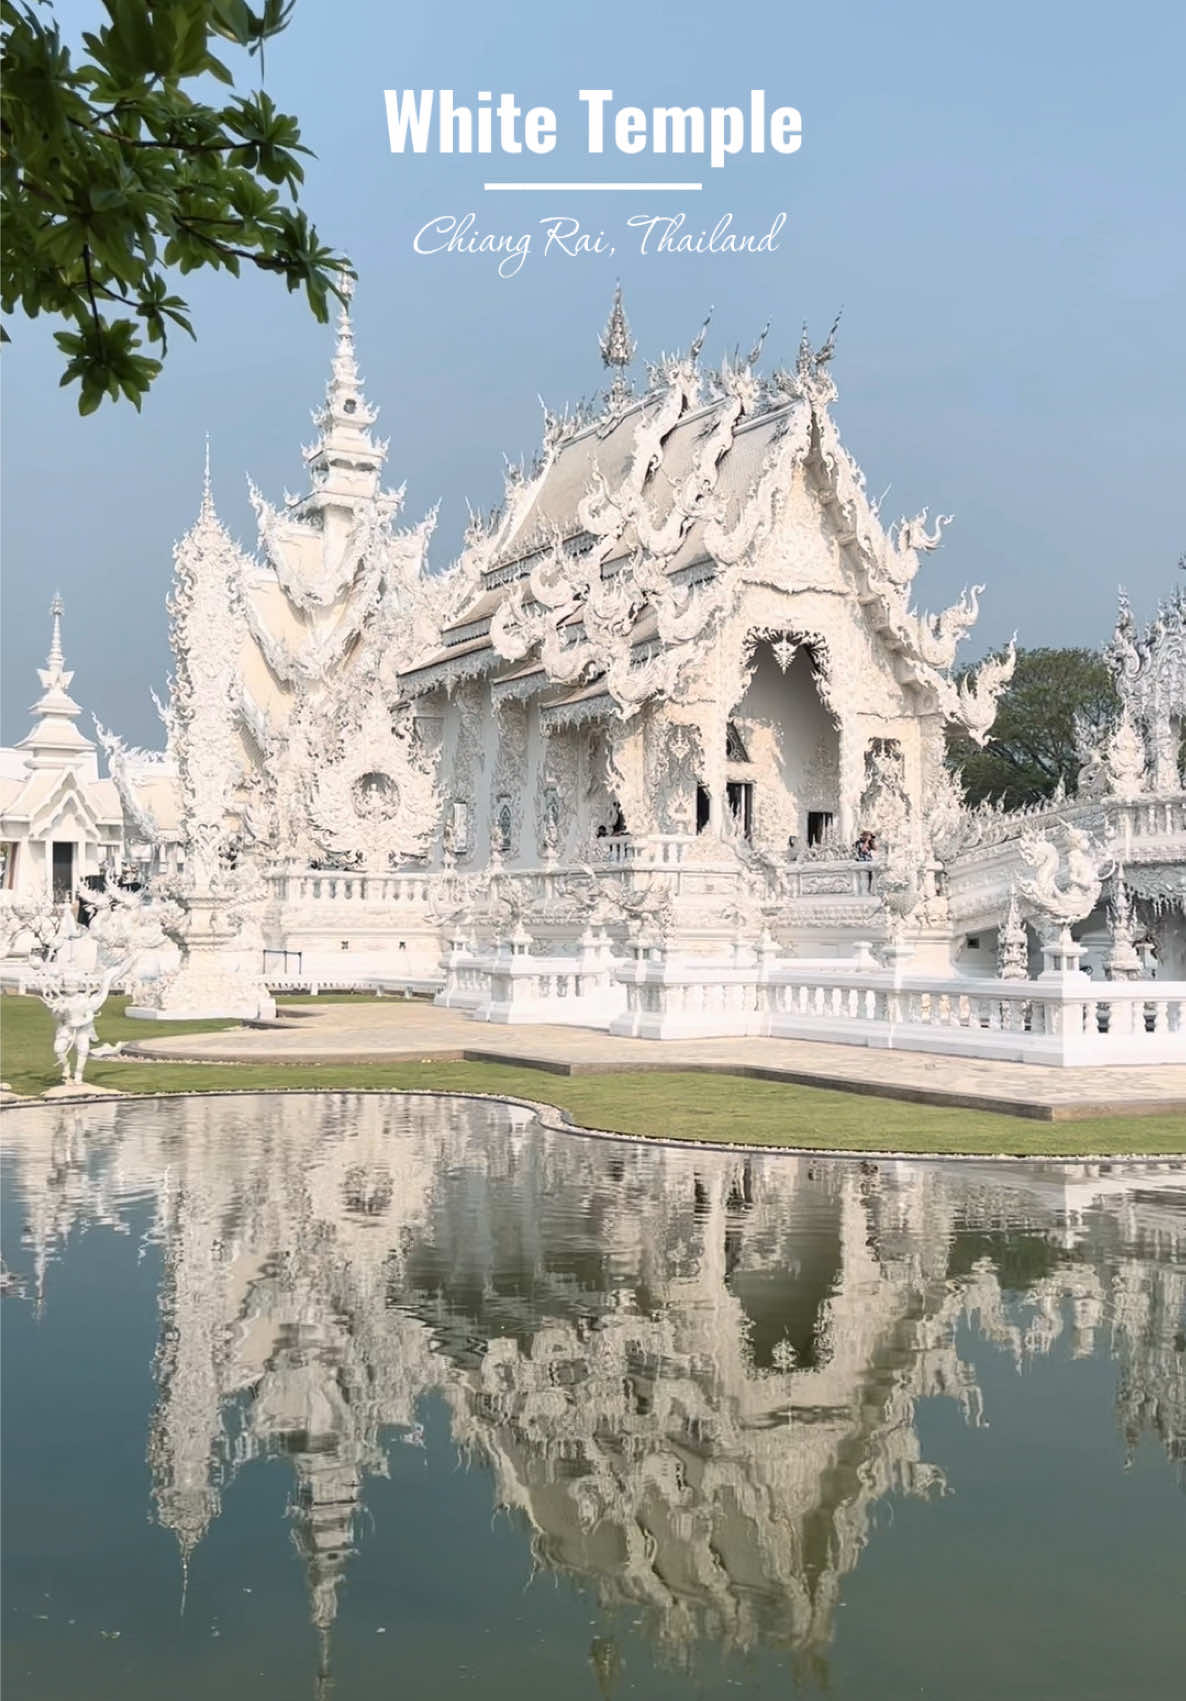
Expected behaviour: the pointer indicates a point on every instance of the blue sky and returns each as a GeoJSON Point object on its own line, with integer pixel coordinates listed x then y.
{"type": "Point", "coordinates": [995, 196]}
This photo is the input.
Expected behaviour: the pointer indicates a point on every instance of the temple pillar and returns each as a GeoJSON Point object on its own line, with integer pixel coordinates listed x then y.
{"type": "Point", "coordinates": [852, 780]}
{"type": "Point", "coordinates": [711, 727]}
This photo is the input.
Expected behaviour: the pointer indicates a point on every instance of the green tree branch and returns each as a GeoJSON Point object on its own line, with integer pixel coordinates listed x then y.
{"type": "Point", "coordinates": [112, 171]}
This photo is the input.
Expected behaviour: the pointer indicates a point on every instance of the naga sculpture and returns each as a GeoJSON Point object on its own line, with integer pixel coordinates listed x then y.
{"type": "Point", "coordinates": [1060, 904]}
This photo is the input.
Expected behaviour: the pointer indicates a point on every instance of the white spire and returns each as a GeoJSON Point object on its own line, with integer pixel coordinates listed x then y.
{"type": "Point", "coordinates": [345, 462]}
{"type": "Point", "coordinates": [206, 511]}
{"type": "Point", "coordinates": [207, 520]}
{"type": "Point", "coordinates": [55, 741]}
{"type": "Point", "coordinates": [55, 658]}
{"type": "Point", "coordinates": [617, 347]}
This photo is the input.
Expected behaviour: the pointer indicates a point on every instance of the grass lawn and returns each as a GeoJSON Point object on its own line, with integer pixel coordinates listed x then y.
{"type": "Point", "coordinates": [682, 1106]}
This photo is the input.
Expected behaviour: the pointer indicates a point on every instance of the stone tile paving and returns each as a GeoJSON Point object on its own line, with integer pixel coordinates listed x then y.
{"type": "Point", "coordinates": [408, 1031]}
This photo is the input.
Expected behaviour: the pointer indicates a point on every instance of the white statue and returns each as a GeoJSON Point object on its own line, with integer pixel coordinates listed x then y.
{"type": "Point", "coordinates": [1079, 892]}
{"type": "Point", "coordinates": [124, 926]}
{"type": "Point", "coordinates": [1060, 906]}
{"type": "Point", "coordinates": [1125, 759]}
{"type": "Point", "coordinates": [45, 929]}
{"type": "Point", "coordinates": [74, 1002]}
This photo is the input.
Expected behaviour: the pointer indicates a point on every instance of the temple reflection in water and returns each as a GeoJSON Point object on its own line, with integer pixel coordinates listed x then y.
{"type": "Point", "coordinates": [693, 1375]}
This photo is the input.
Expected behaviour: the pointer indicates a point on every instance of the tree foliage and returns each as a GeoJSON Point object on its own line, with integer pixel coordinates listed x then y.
{"type": "Point", "coordinates": [1032, 744]}
{"type": "Point", "coordinates": [116, 172]}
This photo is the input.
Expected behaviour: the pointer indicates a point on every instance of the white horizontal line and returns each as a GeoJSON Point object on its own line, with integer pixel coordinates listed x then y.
{"type": "Point", "coordinates": [637, 188]}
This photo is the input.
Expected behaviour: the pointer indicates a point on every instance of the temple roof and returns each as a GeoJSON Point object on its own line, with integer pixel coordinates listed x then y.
{"type": "Point", "coordinates": [36, 797]}
{"type": "Point", "coordinates": [597, 451]}
{"type": "Point", "coordinates": [603, 452]}
{"type": "Point", "coordinates": [620, 554]}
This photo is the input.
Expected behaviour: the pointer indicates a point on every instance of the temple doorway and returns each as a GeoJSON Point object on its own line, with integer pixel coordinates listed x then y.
{"type": "Point", "coordinates": [791, 749]}
{"type": "Point", "coordinates": [62, 873]}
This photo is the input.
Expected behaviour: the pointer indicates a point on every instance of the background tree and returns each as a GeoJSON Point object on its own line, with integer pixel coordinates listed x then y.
{"type": "Point", "coordinates": [1032, 745]}
{"type": "Point", "coordinates": [114, 172]}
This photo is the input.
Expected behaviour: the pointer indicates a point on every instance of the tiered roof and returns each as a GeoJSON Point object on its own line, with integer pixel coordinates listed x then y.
{"type": "Point", "coordinates": [621, 550]}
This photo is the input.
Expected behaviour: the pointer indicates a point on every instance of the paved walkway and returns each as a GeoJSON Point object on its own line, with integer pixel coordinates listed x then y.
{"type": "Point", "coordinates": [410, 1031]}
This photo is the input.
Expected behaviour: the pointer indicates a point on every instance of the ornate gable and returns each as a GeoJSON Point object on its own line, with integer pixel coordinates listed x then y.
{"type": "Point", "coordinates": [618, 558]}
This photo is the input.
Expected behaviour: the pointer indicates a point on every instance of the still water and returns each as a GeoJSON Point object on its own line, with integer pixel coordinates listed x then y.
{"type": "Point", "coordinates": [381, 1397]}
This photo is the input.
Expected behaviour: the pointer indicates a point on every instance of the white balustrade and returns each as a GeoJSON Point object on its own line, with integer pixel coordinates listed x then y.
{"type": "Point", "coordinates": [323, 887]}
{"type": "Point", "coordinates": [655, 850]}
{"type": "Point", "coordinates": [1061, 1019]}
{"type": "Point", "coordinates": [509, 984]}
{"type": "Point", "coordinates": [1065, 1021]}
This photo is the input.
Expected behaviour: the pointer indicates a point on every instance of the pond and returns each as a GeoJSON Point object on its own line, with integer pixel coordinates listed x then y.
{"type": "Point", "coordinates": [390, 1395]}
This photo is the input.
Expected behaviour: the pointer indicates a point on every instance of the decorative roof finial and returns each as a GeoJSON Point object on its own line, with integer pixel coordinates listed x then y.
{"type": "Point", "coordinates": [55, 659]}
{"type": "Point", "coordinates": [345, 365]}
{"type": "Point", "coordinates": [698, 339]}
{"type": "Point", "coordinates": [206, 512]}
{"type": "Point", "coordinates": [811, 367]}
{"type": "Point", "coordinates": [824, 354]}
{"type": "Point", "coordinates": [754, 355]}
{"type": "Point", "coordinates": [617, 347]}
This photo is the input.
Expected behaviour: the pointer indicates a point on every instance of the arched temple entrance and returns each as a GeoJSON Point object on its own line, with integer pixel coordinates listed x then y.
{"type": "Point", "coordinates": [782, 752]}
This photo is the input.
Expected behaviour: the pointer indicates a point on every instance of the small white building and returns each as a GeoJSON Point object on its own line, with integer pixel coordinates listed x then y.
{"type": "Point", "coordinates": [60, 822]}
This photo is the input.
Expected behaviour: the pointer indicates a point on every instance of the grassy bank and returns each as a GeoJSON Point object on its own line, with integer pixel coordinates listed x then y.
{"type": "Point", "coordinates": [681, 1106]}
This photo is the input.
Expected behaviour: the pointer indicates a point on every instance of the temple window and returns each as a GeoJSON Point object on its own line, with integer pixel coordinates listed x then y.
{"type": "Point", "coordinates": [740, 797]}
{"type": "Point", "coordinates": [819, 825]}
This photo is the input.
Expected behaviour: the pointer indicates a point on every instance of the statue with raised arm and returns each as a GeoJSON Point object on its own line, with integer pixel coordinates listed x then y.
{"type": "Point", "coordinates": [74, 1002]}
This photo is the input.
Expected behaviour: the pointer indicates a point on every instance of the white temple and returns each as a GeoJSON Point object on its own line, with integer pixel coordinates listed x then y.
{"type": "Point", "coordinates": [612, 767]}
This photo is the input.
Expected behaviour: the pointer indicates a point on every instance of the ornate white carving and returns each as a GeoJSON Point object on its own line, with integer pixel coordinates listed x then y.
{"type": "Point", "coordinates": [885, 810]}
{"type": "Point", "coordinates": [206, 631]}
{"type": "Point", "coordinates": [1072, 899]}
{"type": "Point", "coordinates": [205, 628]}
{"type": "Point", "coordinates": [976, 696]}
{"type": "Point", "coordinates": [1124, 758]}
{"type": "Point", "coordinates": [1013, 944]}
{"type": "Point", "coordinates": [126, 764]}
{"type": "Point", "coordinates": [510, 778]}
{"type": "Point", "coordinates": [1150, 672]}
{"type": "Point", "coordinates": [374, 794]}
{"type": "Point", "coordinates": [1123, 962]}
